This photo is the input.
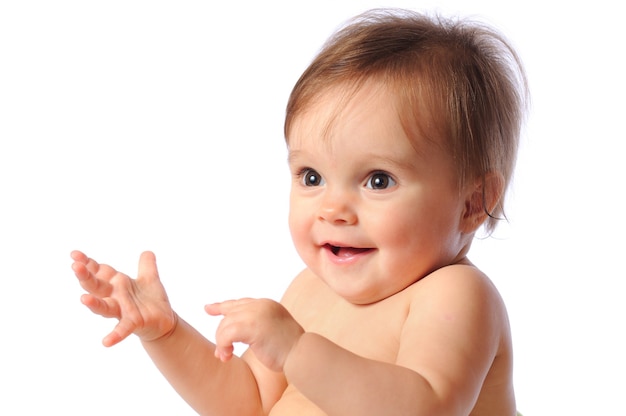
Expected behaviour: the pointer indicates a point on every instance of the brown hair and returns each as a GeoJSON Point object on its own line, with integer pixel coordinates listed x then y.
{"type": "Point", "coordinates": [459, 82]}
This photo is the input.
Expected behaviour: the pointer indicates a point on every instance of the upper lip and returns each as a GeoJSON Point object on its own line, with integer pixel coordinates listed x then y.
{"type": "Point", "coordinates": [335, 246]}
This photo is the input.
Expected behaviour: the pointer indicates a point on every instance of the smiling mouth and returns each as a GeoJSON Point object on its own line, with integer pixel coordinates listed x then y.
{"type": "Point", "coordinates": [346, 251]}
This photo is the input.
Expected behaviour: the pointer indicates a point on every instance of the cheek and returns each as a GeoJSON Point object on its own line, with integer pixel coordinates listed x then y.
{"type": "Point", "coordinates": [300, 229]}
{"type": "Point", "coordinates": [395, 224]}
{"type": "Point", "coordinates": [414, 226]}
{"type": "Point", "coordinates": [294, 226]}
{"type": "Point", "coordinates": [398, 232]}
{"type": "Point", "coordinates": [299, 223]}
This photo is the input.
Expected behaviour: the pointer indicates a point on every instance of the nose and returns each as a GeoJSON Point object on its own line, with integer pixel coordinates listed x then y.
{"type": "Point", "coordinates": [337, 208]}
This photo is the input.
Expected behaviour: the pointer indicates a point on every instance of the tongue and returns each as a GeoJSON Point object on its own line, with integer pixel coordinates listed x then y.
{"type": "Point", "coordinates": [348, 251]}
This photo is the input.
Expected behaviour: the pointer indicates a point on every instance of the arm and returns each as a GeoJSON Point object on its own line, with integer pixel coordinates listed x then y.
{"type": "Point", "coordinates": [448, 343]}
{"type": "Point", "coordinates": [182, 354]}
{"type": "Point", "coordinates": [343, 383]}
{"type": "Point", "coordinates": [211, 387]}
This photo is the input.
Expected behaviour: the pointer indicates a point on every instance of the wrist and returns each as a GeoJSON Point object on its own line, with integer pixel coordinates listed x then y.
{"type": "Point", "coordinates": [166, 331]}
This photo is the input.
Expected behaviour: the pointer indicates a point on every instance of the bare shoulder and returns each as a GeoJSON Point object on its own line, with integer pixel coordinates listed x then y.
{"type": "Point", "coordinates": [458, 287]}
{"type": "Point", "coordinates": [457, 335]}
{"type": "Point", "coordinates": [461, 302]}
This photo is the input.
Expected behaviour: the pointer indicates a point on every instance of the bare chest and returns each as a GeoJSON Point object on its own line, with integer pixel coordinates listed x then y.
{"type": "Point", "coordinates": [371, 331]}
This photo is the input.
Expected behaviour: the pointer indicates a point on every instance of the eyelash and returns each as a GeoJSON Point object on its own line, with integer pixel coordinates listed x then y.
{"type": "Point", "coordinates": [389, 180]}
{"type": "Point", "coordinates": [302, 176]}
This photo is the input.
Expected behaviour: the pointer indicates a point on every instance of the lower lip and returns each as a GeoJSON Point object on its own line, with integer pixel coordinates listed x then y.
{"type": "Point", "coordinates": [346, 260]}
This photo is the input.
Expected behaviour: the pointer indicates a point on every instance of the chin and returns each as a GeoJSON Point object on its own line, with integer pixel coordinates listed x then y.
{"type": "Point", "coordinates": [360, 297]}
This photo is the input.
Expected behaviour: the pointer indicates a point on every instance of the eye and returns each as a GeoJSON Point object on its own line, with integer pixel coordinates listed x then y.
{"type": "Point", "coordinates": [310, 177]}
{"type": "Point", "coordinates": [380, 180]}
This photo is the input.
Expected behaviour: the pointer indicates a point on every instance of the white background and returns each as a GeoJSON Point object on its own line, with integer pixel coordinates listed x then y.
{"type": "Point", "coordinates": [134, 125]}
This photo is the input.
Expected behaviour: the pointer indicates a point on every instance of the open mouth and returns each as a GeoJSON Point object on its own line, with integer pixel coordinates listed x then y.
{"type": "Point", "coordinates": [340, 251]}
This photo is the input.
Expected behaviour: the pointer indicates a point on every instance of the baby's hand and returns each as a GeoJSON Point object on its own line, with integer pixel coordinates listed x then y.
{"type": "Point", "coordinates": [265, 325]}
{"type": "Point", "coordinates": [140, 305]}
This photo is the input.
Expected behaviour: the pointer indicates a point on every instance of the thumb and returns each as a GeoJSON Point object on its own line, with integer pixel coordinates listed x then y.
{"type": "Point", "coordinates": [147, 266]}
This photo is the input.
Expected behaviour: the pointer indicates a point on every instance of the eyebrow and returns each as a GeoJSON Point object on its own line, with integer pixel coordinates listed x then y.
{"type": "Point", "coordinates": [373, 158]}
{"type": "Point", "coordinates": [403, 163]}
{"type": "Point", "coordinates": [293, 155]}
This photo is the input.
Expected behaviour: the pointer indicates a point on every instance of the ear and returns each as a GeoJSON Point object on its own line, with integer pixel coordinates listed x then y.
{"type": "Point", "coordinates": [481, 199]}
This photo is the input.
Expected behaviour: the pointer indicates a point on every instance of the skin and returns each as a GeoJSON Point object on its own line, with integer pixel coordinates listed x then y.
{"type": "Point", "coordinates": [388, 314]}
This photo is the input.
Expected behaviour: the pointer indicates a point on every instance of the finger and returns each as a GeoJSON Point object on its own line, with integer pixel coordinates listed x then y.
{"type": "Point", "coordinates": [224, 353]}
{"type": "Point", "coordinates": [213, 309]}
{"type": "Point", "coordinates": [237, 326]}
{"type": "Point", "coordinates": [121, 331]}
{"type": "Point", "coordinates": [147, 266]}
{"type": "Point", "coordinates": [89, 282]}
{"type": "Point", "coordinates": [79, 259]}
{"type": "Point", "coordinates": [80, 271]}
{"type": "Point", "coordinates": [79, 256]}
{"type": "Point", "coordinates": [91, 265]}
{"type": "Point", "coordinates": [99, 271]}
{"type": "Point", "coordinates": [225, 337]}
{"type": "Point", "coordinates": [226, 307]}
{"type": "Point", "coordinates": [104, 307]}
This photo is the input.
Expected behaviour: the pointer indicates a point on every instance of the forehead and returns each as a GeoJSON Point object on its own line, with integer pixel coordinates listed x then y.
{"type": "Point", "coordinates": [342, 106]}
{"type": "Point", "coordinates": [371, 109]}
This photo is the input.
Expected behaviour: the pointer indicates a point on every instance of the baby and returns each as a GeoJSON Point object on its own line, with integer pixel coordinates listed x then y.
{"type": "Point", "coordinates": [402, 136]}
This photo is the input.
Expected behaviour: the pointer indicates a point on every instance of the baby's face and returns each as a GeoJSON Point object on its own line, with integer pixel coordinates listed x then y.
{"type": "Point", "coordinates": [370, 211]}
